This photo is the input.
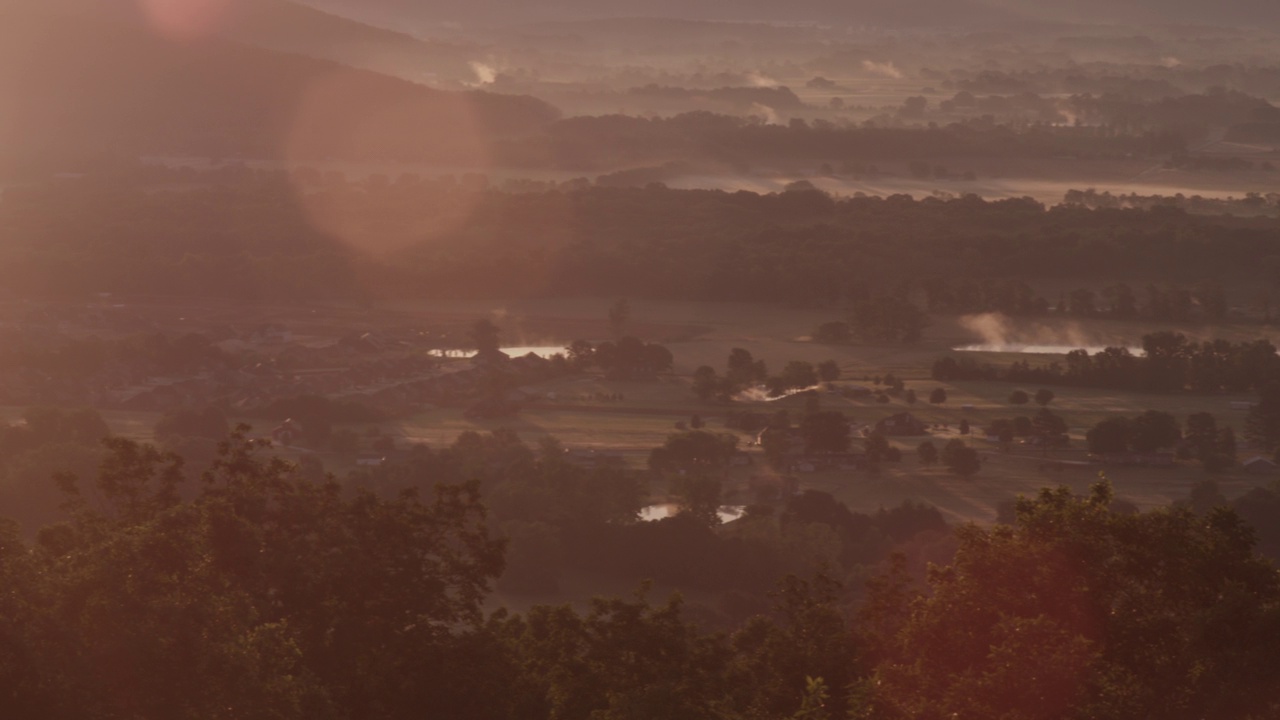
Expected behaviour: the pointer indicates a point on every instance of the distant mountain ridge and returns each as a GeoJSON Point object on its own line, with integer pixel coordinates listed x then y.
{"type": "Point", "coordinates": [921, 13]}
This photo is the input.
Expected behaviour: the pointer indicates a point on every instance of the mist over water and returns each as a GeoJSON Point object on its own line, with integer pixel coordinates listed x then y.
{"type": "Point", "coordinates": [999, 333]}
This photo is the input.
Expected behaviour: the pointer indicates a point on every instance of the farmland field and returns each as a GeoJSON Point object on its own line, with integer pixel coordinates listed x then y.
{"type": "Point", "coordinates": [643, 413]}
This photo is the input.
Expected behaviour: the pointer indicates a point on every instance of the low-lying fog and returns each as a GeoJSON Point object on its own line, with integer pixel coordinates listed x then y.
{"type": "Point", "coordinates": [1000, 333]}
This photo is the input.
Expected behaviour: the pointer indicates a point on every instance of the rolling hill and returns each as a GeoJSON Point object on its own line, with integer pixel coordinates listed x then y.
{"type": "Point", "coordinates": [76, 85]}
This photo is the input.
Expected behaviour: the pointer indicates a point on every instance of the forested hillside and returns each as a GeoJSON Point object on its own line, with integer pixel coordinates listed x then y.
{"type": "Point", "coordinates": [265, 235]}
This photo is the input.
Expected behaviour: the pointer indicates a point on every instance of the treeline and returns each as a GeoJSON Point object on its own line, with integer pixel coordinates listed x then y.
{"type": "Point", "coordinates": [611, 141]}
{"type": "Point", "coordinates": [1205, 301]}
{"type": "Point", "coordinates": [255, 237]}
{"type": "Point", "coordinates": [1171, 362]}
{"type": "Point", "coordinates": [1251, 204]}
{"type": "Point", "coordinates": [268, 594]}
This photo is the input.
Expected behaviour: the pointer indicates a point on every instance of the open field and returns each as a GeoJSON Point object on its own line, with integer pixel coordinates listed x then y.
{"type": "Point", "coordinates": [630, 418]}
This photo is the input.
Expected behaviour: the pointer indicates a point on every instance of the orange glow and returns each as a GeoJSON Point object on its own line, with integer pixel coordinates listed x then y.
{"type": "Point", "coordinates": [337, 116]}
{"type": "Point", "coordinates": [186, 19]}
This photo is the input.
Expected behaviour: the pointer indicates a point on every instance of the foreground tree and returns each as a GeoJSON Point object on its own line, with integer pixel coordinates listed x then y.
{"type": "Point", "coordinates": [808, 638]}
{"type": "Point", "coordinates": [1077, 611]}
{"type": "Point", "coordinates": [623, 659]}
{"type": "Point", "coordinates": [266, 596]}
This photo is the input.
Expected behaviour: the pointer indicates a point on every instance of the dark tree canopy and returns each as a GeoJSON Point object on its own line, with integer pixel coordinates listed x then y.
{"type": "Point", "coordinates": [1079, 611]}
{"type": "Point", "coordinates": [253, 595]}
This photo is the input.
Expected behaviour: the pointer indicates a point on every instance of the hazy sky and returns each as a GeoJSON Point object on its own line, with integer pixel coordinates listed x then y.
{"type": "Point", "coordinates": [1240, 12]}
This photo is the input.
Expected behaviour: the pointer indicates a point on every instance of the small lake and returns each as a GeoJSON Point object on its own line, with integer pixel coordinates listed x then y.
{"type": "Point", "coordinates": [543, 351]}
{"type": "Point", "coordinates": [1029, 349]}
{"type": "Point", "coordinates": [666, 510]}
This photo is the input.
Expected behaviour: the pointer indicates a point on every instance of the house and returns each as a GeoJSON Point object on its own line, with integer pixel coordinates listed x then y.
{"type": "Point", "coordinates": [902, 424]}
{"type": "Point", "coordinates": [369, 460]}
{"type": "Point", "coordinates": [1259, 465]}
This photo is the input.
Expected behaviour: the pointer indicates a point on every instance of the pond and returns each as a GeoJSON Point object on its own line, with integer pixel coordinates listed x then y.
{"type": "Point", "coordinates": [543, 351]}
{"type": "Point", "coordinates": [666, 510]}
{"type": "Point", "coordinates": [1031, 349]}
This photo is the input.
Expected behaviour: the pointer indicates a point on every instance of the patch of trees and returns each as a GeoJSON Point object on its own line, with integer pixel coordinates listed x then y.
{"type": "Point", "coordinates": [1166, 302]}
{"type": "Point", "coordinates": [885, 319]}
{"type": "Point", "coordinates": [627, 359]}
{"type": "Point", "coordinates": [694, 451]}
{"type": "Point", "coordinates": [1145, 433]}
{"type": "Point", "coordinates": [1171, 363]}
{"type": "Point", "coordinates": [741, 372]}
{"type": "Point", "coordinates": [744, 372]}
{"type": "Point", "coordinates": [960, 458]}
{"type": "Point", "coordinates": [1206, 301]}
{"type": "Point", "coordinates": [1251, 204]}
{"type": "Point", "coordinates": [1203, 440]}
{"type": "Point", "coordinates": [1045, 429]}
{"type": "Point", "coordinates": [317, 415]}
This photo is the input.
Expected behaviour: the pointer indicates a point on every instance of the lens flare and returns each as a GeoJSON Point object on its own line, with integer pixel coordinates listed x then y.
{"type": "Point", "coordinates": [342, 115]}
{"type": "Point", "coordinates": [186, 19]}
